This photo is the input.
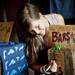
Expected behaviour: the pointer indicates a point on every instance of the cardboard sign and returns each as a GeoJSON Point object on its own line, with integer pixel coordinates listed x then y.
{"type": "Point", "coordinates": [65, 35]}
{"type": "Point", "coordinates": [5, 31]}
{"type": "Point", "coordinates": [62, 34]}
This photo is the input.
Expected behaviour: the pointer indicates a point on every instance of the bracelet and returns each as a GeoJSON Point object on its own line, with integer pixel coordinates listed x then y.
{"type": "Point", "coordinates": [46, 71]}
{"type": "Point", "coordinates": [41, 69]}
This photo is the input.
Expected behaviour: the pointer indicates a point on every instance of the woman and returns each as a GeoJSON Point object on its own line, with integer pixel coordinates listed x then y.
{"type": "Point", "coordinates": [32, 29]}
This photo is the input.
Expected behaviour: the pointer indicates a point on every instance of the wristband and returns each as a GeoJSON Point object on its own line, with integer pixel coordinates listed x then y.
{"type": "Point", "coordinates": [46, 71]}
{"type": "Point", "coordinates": [41, 69]}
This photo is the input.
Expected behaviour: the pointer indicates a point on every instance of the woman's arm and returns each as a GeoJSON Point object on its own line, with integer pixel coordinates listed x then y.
{"type": "Point", "coordinates": [35, 67]}
{"type": "Point", "coordinates": [48, 68]}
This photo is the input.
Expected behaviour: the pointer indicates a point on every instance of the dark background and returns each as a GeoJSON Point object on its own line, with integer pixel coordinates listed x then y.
{"type": "Point", "coordinates": [11, 8]}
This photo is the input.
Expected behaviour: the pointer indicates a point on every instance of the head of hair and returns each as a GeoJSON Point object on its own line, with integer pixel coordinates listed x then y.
{"type": "Point", "coordinates": [26, 12]}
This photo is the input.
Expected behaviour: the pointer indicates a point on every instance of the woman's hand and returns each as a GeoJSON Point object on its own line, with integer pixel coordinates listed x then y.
{"type": "Point", "coordinates": [49, 68]}
{"type": "Point", "coordinates": [53, 66]}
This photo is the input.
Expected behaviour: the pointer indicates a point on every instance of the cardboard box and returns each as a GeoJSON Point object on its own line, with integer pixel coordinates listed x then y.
{"type": "Point", "coordinates": [65, 35]}
{"type": "Point", "coordinates": [5, 31]}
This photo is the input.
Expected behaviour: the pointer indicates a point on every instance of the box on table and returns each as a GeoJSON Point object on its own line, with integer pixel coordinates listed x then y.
{"type": "Point", "coordinates": [65, 35]}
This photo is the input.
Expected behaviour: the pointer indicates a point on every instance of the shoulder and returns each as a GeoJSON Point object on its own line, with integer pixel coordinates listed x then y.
{"type": "Point", "coordinates": [54, 15]}
{"type": "Point", "coordinates": [55, 19]}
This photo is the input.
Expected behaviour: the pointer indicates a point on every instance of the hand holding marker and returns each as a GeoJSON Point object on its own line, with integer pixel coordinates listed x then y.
{"type": "Point", "coordinates": [55, 49]}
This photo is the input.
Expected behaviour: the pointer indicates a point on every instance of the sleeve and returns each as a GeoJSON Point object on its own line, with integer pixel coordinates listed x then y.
{"type": "Point", "coordinates": [55, 19]}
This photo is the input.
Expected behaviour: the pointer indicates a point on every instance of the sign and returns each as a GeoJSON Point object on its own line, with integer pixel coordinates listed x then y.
{"type": "Point", "coordinates": [5, 31]}
{"type": "Point", "coordinates": [63, 34]}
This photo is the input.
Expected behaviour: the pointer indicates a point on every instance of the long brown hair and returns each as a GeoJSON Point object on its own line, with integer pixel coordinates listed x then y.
{"type": "Point", "coordinates": [23, 26]}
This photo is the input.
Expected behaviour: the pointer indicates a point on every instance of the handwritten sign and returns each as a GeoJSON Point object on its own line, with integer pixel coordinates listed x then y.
{"type": "Point", "coordinates": [5, 31]}
{"type": "Point", "coordinates": [64, 34]}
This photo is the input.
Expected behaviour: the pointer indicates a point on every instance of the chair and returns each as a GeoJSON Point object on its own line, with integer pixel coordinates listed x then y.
{"type": "Point", "coordinates": [13, 58]}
